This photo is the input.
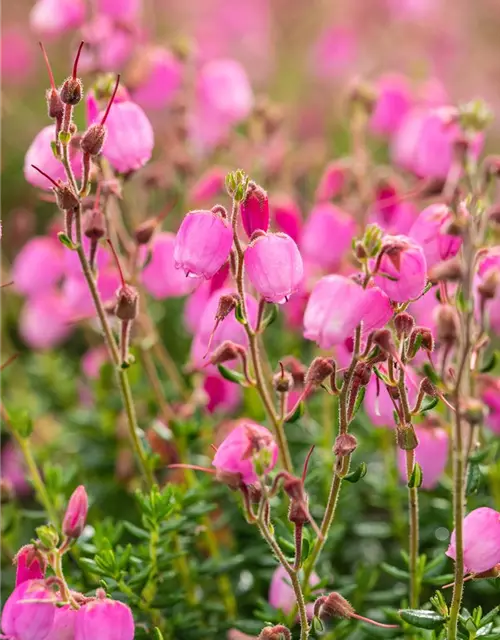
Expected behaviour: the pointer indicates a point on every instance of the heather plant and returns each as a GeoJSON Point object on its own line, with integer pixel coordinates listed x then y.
{"type": "Point", "coordinates": [223, 417]}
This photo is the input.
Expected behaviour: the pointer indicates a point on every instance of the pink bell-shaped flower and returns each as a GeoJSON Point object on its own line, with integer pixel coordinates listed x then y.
{"type": "Point", "coordinates": [45, 321]}
{"type": "Point", "coordinates": [402, 270]}
{"type": "Point", "coordinates": [490, 395]}
{"type": "Point", "coordinates": [104, 619]}
{"type": "Point", "coordinates": [327, 235]}
{"type": "Point", "coordinates": [390, 212]}
{"type": "Point", "coordinates": [235, 453]}
{"type": "Point", "coordinates": [76, 513]}
{"type": "Point", "coordinates": [393, 103]}
{"type": "Point", "coordinates": [281, 593]}
{"type": "Point", "coordinates": [160, 80]}
{"type": "Point", "coordinates": [481, 540]}
{"type": "Point", "coordinates": [287, 216]}
{"type": "Point", "coordinates": [64, 624]}
{"type": "Point", "coordinates": [429, 231]}
{"type": "Point", "coordinates": [40, 154]}
{"type": "Point", "coordinates": [38, 266]}
{"type": "Point", "coordinates": [223, 89]}
{"type": "Point", "coordinates": [202, 244]}
{"type": "Point", "coordinates": [51, 18]}
{"type": "Point", "coordinates": [274, 266]}
{"type": "Point", "coordinates": [255, 210]}
{"type": "Point", "coordinates": [160, 276]}
{"type": "Point", "coordinates": [487, 288]}
{"type": "Point", "coordinates": [431, 454]}
{"type": "Point", "coordinates": [210, 185]}
{"type": "Point", "coordinates": [130, 139]}
{"type": "Point", "coordinates": [23, 620]}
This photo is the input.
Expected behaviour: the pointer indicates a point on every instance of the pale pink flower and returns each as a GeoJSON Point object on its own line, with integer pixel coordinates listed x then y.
{"type": "Point", "coordinates": [29, 620]}
{"type": "Point", "coordinates": [105, 619]}
{"type": "Point", "coordinates": [17, 55]}
{"type": "Point", "coordinates": [38, 266]}
{"type": "Point", "coordinates": [51, 18]}
{"type": "Point", "coordinates": [402, 272]}
{"type": "Point", "coordinates": [281, 593]}
{"type": "Point", "coordinates": [45, 321]}
{"type": "Point", "coordinates": [161, 80]}
{"type": "Point", "coordinates": [481, 540]}
{"type": "Point", "coordinates": [40, 154]}
{"type": "Point", "coordinates": [393, 102]}
{"type": "Point", "coordinates": [429, 231]}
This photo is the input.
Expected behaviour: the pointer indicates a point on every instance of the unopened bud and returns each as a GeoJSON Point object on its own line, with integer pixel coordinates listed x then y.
{"type": "Point", "coordinates": [283, 382]}
{"type": "Point", "coordinates": [144, 232]}
{"type": "Point", "coordinates": [423, 337]}
{"type": "Point", "coordinates": [333, 606]}
{"type": "Point", "coordinates": [226, 352]}
{"type": "Point", "coordinates": [48, 536]}
{"type": "Point", "coordinates": [449, 270]}
{"type": "Point", "coordinates": [71, 91]}
{"type": "Point", "coordinates": [318, 371]}
{"type": "Point", "coordinates": [474, 412]}
{"type": "Point", "coordinates": [127, 303]}
{"type": "Point", "coordinates": [94, 225]}
{"type": "Point", "coordinates": [297, 512]}
{"type": "Point", "coordinates": [278, 632]}
{"type": "Point", "coordinates": [227, 303]}
{"type": "Point", "coordinates": [66, 200]}
{"type": "Point", "coordinates": [406, 437]}
{"type": "Point", "coordinates": [93, 139]}
{"type": "Point", "coordinates": [383, 339]}
{"type": "Point", "coordinates": [362, 374]}
{"type": "Point", "coordinates": [428, 388]}
{"type": "Point", "coordinates": [296, 368]}
{"type": "Point", "coordinates": [55, 106]}
{"type": "Point", "coordinates": [345, 444]}
{"type": "Point", "coordinates": [76, 513]}
{"type": "Point", "coordinates": [404, 324]}
{"type": "Point", "coordinates": [447, 324]}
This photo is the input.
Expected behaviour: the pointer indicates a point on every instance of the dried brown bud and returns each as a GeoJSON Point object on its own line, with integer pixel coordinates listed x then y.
{"type": "Point", "coordinates": [55, 106]}
{"type": "Point", "coordinates": [297, 512]}
{"type": "Point", "coordinates": [297, 369]}
{"type": "Point", "coordinates": [406, 437]}
{"type": "Point", "coordinates": [94, 227]}
{"type": "Point", "coordinates": [71, 91]}
{"type": "Point", "coordinates": [393, 392]}
{"type": "Point", "coordinates": [318, 371]}
{"type": "Point", "coordinates": [278, 632]}
{"type": "Point", "coordinates": [93, 139]}
{"type": "Point", "coordinates": [428, 388]}
{"type": "Point", "coordinates": [383, 339]}
{"type": "Point", "coordinates": [333, 606]}
{"type": "Point", "coordinates": [474, 412]}
{"type": "Point", "coordinates": [127, 303]}
{"type": "Point", "coordinates": [404, 324]}
{"type": "Point", "coordinates": [283, 382]}
{"type": "Point", "coordinates": [362, 374]}
{"type": "Point", "coordinates": [144, 232]}
{"type": "Point", "coordinates": [227, 303]}
{"type": "Point", "coordinates": [489, 286]}
{"type": "Point", "coordinates": [360, 251]}
{"type": "Point", "coordinates": [447, 324]}
{"type": "Point", "coordinates": [449, 270]}
{"type": "Point", "coordinates": [65, 198]}
{"type": "Point", "coordinates": [226, 351]}
{"type": "Point", "coordinates": [345, 444]}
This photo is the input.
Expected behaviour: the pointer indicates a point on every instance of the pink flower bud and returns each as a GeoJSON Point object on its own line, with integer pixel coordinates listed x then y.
{"type": "Point", "coordinates": [22, 620]}
{"type": "Point", "coordinates": [481, 540]}
{"type": "Point", "coordinates": [45, 320]}
{"type": "Point", "coordinates": [327, 235]}
{"type": "Point", "coordinates": [255, 210]}
{"type": "Point", "coordinates": [161, 78]}
{"type": "Point", "coordinates": [202, 244]}
{"type": "Point", "coordinates": [104, 619]}
{"type": "Point", "coordinates": [431, 454]}
{"type": "Point", "coordinates": [38, 266]}
{"type": "Point", "coordinates": [235, 453]}
{"type": "Point", "coordinates": [287, 216]}
{"type": "Point", "coordinates": [130, 138]}
{"type": "Point", "coordinates": [160, 276]}
{"type": "Point", "coordinates": [30, 564]}
{"type": "Point", "coordinates": [332, 181]}
{"type": "Point", "coordinates": [76, 513]}
{"type": "Point", "coordinates": [393, 103]}
{"type": "Point", "coordinates": [274, 266]}
{"type": "Point", "coordinates": [125, 10]}
{"type": "Point", "coordinates": [51, 18]}
{"type": "Point", "coordinates": [490, 395]}
{"type": "Point", "coordinates": [428, 231]}
{"type": "Point", "coordinates": [281, 594]}
{"type": "Point", "coordinates": [402, 269]}
{"type": "Point", "coordinates": [487, 288]}
{"type": "Point", "coordinates": [209, 185]}
{"type": "Point", "coordinates": [40, 154]}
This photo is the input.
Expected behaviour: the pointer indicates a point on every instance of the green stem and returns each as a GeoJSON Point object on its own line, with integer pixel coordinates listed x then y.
{"type": "Point", "coordinates": [414, 535]}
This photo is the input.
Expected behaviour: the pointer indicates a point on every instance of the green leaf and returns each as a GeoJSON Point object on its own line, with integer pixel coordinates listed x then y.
{"type": "Point", "coordinates": [238, 314]}
{"type": "Point", "coordinates": [490, 617]}
{"type": "Point", "coordinates": [63, 239]}
{"type": "Point", "coordinates": [473, 478]}
{"type": "Point", "coordinates": [416, 477]}
{"type": "Point", "coordinates": [53, 146]}
{"type": "Point", "coordinates": [359, 400]}
{"type": "Point", "coordinates": [142, 534]}
{"type": "Point", "coordinates": [357, 474]}
{"type": "Point", "coordinates": [318, 625]}
{"type": "Point", "coordinates": [232, 376]}
{"type": "Point", "coordinates": [158, 635]}
{"type": "Point", "coordinates": [482, 454]}
{"type": "Point", "coordinates": [431, 373]}
{"type": "Point", "coordinates": [422, 618]}
{"type": "Point", "coordinates": [270, 317]}
{"type": "Point", "coordinates": [429, 404]}
{"type": "Point", "coordinates": [297, 413]}
{"type": "Point", "coordinates": [400, 574]}
{"type": "Point", "coordinates": [490, 363]}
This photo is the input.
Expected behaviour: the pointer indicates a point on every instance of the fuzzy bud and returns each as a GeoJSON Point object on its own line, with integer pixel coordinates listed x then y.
{"type": "Point", "coordinates": [65, 198]}
{"type": "Point", "coordinates": [71, 91]}
{"type": "Point", "coordinates": [345, 444]}
{"type": "Point", "coordinates": [278, 632]}
{"type": "Point", "coordinates": [447, 324]}
{"type": "Point", "coordinates": [333, 606]}
{"type": "Point", "coordinates": [127, 303]}
{"type": "Point", "coordinates": [55, 106]}
{"type": "Point", "coordinates": [48, 536]}
{"type": "Point", "coordinates": [362, 374]}
{"type": "Point", "coordinates": [383, 339]}
{"type": "Point", "coordinates": [406, 437]}
{"type": "Point", "coordinates": [283, 382]}
{"type": "Point", "coordinates": [319, 370]}
{"type": "Point", "coordinates": [76, 513]}
{"type": "Point", "coordinates": [428, 388]}
{"type": "Point", "coordinates": [93, 226]}
{"type": "Point", "coordinates": [93, 139]}
{"type": "Point", "coordinates": [487, 289]}
{"type": "Point", "coordinates": [226, 352]}
{"type": "Point", "coordinates": [404, 324]}
{"type": "Point", "coordinates": [145, 231]}
{"type": "Point", "coordinates": [297, 369]}
{"type": "Point", "coordinates": [426, 341]}
{"type": "Point", "coordinates": [227, 303]}
{"type": "Point", "coordinates": [297, 513]}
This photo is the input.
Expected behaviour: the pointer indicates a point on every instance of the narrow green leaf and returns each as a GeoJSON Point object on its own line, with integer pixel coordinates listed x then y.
{"type": "Point", "coordinates": [357, 474]}
{"type": "Point", "coordinates": [431, 373]}
{"type": "Point", "coordinates": [270, 317]}
{"type": "Point", "coordinates": [158, 635]}
{"type": "Point", "coordinates": [490, 363]}
{"type": "Point", "coordinates": [482, 454]}
{"type": "Point", "coordinates": [232, 376]}
{"type": "Point", "coordinates": [63, 239]}
{"type": "Point", "coordinates": [490, 617]}
{"type": "Point", "coordinates": [297, 414]}
{"type": "Point", "coordinates": [416, 477]}
{"type": "Point", "coordinates": [422, 618]}
{"type": "Point", "coordinates": [359, 400]}
{"type": "Point", "coordinates": [238, 314]}
{"type": "Point", "coordinates": [429, 404]}
{"type": "Point", "coordinates": [400, 574]}
{"type": "Point", "coordinates": [473, 478]}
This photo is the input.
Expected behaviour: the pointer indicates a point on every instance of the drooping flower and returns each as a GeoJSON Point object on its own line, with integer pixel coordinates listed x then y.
{"type": "Point", "coordinates": [40, 154]}
{"type": "Point", "coordinates": [45, 320]}
{"type": "Point", "coordinates": [160, 78]}
{"type": "Point", "coordinates": [281, 593]}
{"type": "Point", "coordinates": [23, 620]}
{"type": "Point", "coordinates": [38, 266]}
{"type": "Point", "coordinates": [223, 396]}
{"type": "Point", "coordinates": [393, 102]}
{"type": "Point", "coordinates": [402, 270]}
{"type": "Point", "coordinates": [481, 540]}
{"type": "Point", "coordinates": [287, 216]}
{"type": "Point", "coordinates": [274, 266]}
{"type": "Point", "coordinates": [202, 244]}
{"type": "Point", "coordinates": [29, 564]}
{"type": "Point", "coordinates": [105, 619]}
{"type": "Point", "coordinates": [429, 231]}
{"type": "Point", "coordinates": [431, 454]}
{"type": "Point", "coordinates": [235, 454]}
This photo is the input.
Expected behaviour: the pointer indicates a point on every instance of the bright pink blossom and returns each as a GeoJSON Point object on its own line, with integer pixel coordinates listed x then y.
{"type": "Point", "coordinates": [489, 272]}
{"type": "Point", "coordinates": [402, 271]}
{"type": "Point", "coordinates": [332, 181]}
{"type": "Point", "coordinates": [287, 215]}
{"type": "Point", "coordinates": [393, 214]}
{"type": "Point", "coordinates": [104, 619]}
{"type": "Point", "coordinates": [28, 565]}
{"type": "Point", "coordinates": [281, 593]}
{"type": "Point", "coordinates": [481, 540]}
{"type": "Point", "coordinates": [223, 89]}
{"type": "Point", "coordinates": [161, 80]}
{"type": "Point", "coordinates": [76, 513]}
{"type": "Point", "coordinates": [38, 266]}
{"type": "Point", "coordinates": [202, 244]}
{"type": "Point", "coordinates": [210, 185]}
{"type": "Point", "coordinates": [53, 17]}
{"type": "Point", "coordinates": [160, 276]}
{"type": "Point", "coordinates": [29, 620]}
{"type": "Point", "coordinates": [429, 231]}
{"type": "Point", "coordinates": [327, 235]}
{"type": "Point", "coordinates": [40, 154]}
{"type": "Point", "coordinates": [274, 266]}
{"type": "Point", "coordinates": [431, 454]}
{"type": "Point", "coordinates": [255, 210]}
{"type": "Point", "coordinates": [130, 139]}
{"type": "Point", "coordinates": [223, 396]}
{"type": "Point", "coordinates": [235, 453]}
{"type": "Point", "coordinates": [393, 102]}
{"type": "Point", "coordinates": [64, 624]}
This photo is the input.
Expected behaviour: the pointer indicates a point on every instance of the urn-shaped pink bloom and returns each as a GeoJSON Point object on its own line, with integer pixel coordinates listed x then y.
{"type": "Point", "coordinates": [161, 80]}
{"type": "Point", "coordinates": [235, 454]}
{"type": "Point", "coordinates": [402, 270]}
{"type": "Point", "coordinates": [38, 266]}
{"type": "Point", "coordinates": [481, 536]}
{"type": "Point", "coordinates": [64, 624]}
{"type": "Point", "coordinates": [377, 402]}
{"type": "Point", "coordinates": [431, 454]}
{"type": "Point", "coordinates": [327, 235]}
{"type": "Point", "coordinates": [52, 17]}
{"type": "Point", "coordinates": [332, 181]}
{"type": "Point", "coordinates": [393, 102]}
{"type": "Point", "coordinates": [429, 231]}
{"type": "Point", "coordinates": [104, 619]}
{"type": "Point", "coordinates": [28, 565]}
{"type": "Point", "coordinates": [45, 320]}
{"type": "Point", "coordinates": [274, 266]}
{"type": "Point", "coordinates": [390, 211]}
{"type": "Point", "coordinates": [487, 288]}
{"type": "Point", "coordinates": [255, 210]}
{"type": "Point", "coordinates": [23, 620]}
{"type": "Point", "coordinates": [282, 595]}
{"type": "Point", "coordinates": [40, 154]}
{"type": "Point", "coordinates": [160, 277]}
{"type": "Point", "coordinates": [123, 10]}
{"type": "Point", "coordinates": [76, 513]}
{"type": "Point", "coordinates": [287, 216]}
{"type": "Point", "coordinates": [202, 244]}
{"type": "Point", "coordinates": [130, 139]}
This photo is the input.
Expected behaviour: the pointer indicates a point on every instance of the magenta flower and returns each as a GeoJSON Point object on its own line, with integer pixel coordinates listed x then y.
{"type": "Point", "coordinates": [160, 277]}
{"type": "Point", "coordinates": [17, 54]}
{"type": "Point", "coordinates": [28, 565]}
{"type": "Point", "coordinates": [402, 270]}
{"type": "Point", "coordinates": [76, 513]}
{"type": "Point", "coordinates": [64, 624]}
{"type": "Point", "coordinates": [481, 536]}
{"type": "Point", "coordinates": [202, 244]}
{"type": "Point", "coordinates": [29, 620]}
{"type": "Point", "coordinates": [255, 210]}
{"type": "Point", "coordinates": [38, 266]}
{"type": "Point", "coordinates": [223, 90]}
{"type": "Point", "coordinates": [431, 454]}
{"type": "Point", "coordinates": [392, 214]}
{"type": "Point", "coordinates": [104, 619]}
{"type": "Point", "coordinates": [210, 185]}
{"type": "Point", "coordinates": [332, 181]}
{"type": "Point", "coordinates": [487, 288]}
{"type": "Point", "coordinates": [40, 154]}
{"type": "Point", "coordinates": [51, 18]}
{"type": "Point", "coordinates": [281, 593]}
{"type": "Point", "coordinates": [110, 44]}
{"type": "Point", "coordinates": [45, 320]}
{"type": "Point", "coordinates": [327, 235]}
{"type": "Point", "coordinates": [130, 138]}
{"type": "Point", "coordinates": [125, 10]}
{"type": "Point", "coordinates": [393, 102]}
{"type": "Point", "coordinates": [161, 80]}
{"type": "Point", "coordinates": [223, 396]}
{"type": "Point", "coordinates": [235, 453]}
{"type": "Point", "coordinates": [429, 231]}
{"type": "Point", "coordinates": [287, 216]}
{"type": "Point", "coordinates": [274, 266]}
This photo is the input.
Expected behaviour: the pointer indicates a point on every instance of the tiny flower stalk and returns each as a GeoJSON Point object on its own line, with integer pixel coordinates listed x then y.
{"type": "Point", "coordinates": [55, 105]}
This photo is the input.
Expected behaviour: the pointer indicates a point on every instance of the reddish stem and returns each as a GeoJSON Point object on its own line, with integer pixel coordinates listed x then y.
{"type": "Point", "coordinates": [49, 69]}
{"type": "Point", "coordinates": [374, 622]}
{"type": "Point", "coordinates": [124, 284]}
{"type": "Point", "coordinates": [106, 113]}
{"type": "Point", "coordinates": [75, 64]}
{"type": "Point", "coordinates": [46, 176]}
{"type": "Point", "coordinates": [190, 466]}
{"type": "Point", "coordinates": [9, 361]}
{"type": "Point", "coordinates": [306, 463]}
